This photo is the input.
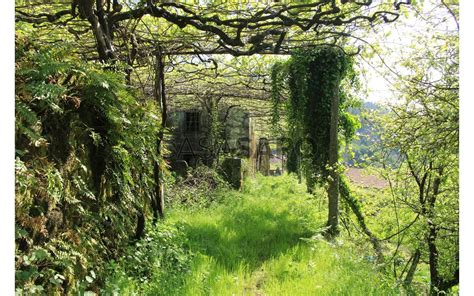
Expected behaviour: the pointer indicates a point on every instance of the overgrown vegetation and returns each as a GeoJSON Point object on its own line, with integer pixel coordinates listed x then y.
{"type": "Point", "coordinates": [263, 240]}
{"type": "Point", "coordinates": [84, 157]}
{"type": "Point", "coordinates": [312, 77]}
{"type": "Point", "coordinates": [200, 187]}
{"type": "Point", "coordinates": [314, 103]}
{"type": "Point", "coordinates": [94, 84]}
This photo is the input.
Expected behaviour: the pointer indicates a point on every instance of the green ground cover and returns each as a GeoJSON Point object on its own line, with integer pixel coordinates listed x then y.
{"type": "Point", "coordinates": [261, 241]}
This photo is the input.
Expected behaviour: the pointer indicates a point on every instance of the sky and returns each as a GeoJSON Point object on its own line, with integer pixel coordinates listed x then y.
{"type": "Point", "coordinates": [396, 38]}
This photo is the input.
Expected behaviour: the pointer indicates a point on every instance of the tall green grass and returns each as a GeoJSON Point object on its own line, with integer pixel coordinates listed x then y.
{"type": "Point", "coordinates": [262, 241]}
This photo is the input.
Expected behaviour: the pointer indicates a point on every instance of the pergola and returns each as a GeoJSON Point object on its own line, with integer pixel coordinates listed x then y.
{"type": "Point", "coordinates": [157, 37]}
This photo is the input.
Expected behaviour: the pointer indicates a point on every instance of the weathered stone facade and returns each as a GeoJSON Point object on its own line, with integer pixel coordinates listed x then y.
{"type": "Point", "coordinates": [189, 138]}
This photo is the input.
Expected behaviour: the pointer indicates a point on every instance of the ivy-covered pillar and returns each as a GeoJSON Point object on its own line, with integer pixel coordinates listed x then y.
{"type": "Point", "coordinates": [333, 179]}
{"type": "Point", "coordinates": [313, 77]}
{"type": "Point", "coordinates": [326, 67]}
{"type": "Point", "coordinates": [158, 203]}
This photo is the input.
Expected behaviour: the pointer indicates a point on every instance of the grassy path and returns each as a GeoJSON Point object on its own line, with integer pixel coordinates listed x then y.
{"type": "Point", "coordinates": [262, 242]}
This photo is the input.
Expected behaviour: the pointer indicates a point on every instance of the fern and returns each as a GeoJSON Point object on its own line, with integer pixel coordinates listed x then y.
{"type": "Point", "coordinates": [26, 122]}
{"type": "Point", "coordinates": [85, 149]}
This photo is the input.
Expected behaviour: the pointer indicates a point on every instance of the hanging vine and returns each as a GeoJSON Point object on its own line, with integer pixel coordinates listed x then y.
{"type": "Point", "coordinates": [308, 81]}
{"type": "Point", "coordinates": [311, 75]}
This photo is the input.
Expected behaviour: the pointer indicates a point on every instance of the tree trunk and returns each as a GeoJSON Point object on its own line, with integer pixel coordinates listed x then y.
{"type": "Point", "coordinates": [412, 269]}
{"type": "Point", "coordinates": [100, 28]}
{"type": "Point", "coordinates": [333, 190]}
{"type": "Point", "coordinates": [438, 283]}
{"type": "Point", "coordinates": [431, 238]}
{"type": "Point", "coordinates": [433, 259]}
{"type": "Point", "coordinates": [355, 207]}
{"type": "Point", "coordinates": [160, 97]}
{"type": "Point", "coordinates": [212, 137]}
{"type": "Point", "coordinates": [298, 165]}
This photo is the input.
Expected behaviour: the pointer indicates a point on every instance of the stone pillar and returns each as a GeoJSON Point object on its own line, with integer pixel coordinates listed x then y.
{"type": "Point", "coordinates": [233, 171]}
{"type": "Point", "coordinates": [263, 156]}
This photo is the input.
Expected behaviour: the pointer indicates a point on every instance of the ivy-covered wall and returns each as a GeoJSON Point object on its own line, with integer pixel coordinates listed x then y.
{"type": "Point", "coordinates": [85, 148]}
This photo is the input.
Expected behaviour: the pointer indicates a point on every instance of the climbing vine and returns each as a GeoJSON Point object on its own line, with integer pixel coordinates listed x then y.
{"type": "Point", "coordinates": [308, 80]}
{"type": "Point", "coordinates": [313, 77]}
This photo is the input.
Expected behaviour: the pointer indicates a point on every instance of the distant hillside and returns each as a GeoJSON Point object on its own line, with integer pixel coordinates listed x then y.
{"type": "Point", "coordinates": [367, 135]}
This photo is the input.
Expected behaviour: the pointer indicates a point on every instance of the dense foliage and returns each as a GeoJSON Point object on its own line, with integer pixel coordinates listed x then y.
{"type": "Point", "coordinates": [315, 98]}
{"type": "Point", "coordinates": [309, 80]}
{"type": "Point", "coordinates": [84, 160]}
{"type": "Point", "coordinates": [423, 128]}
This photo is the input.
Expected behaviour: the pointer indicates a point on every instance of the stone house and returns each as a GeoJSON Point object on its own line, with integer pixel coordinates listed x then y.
{"type": "Point", "coordinates": [190, 136]}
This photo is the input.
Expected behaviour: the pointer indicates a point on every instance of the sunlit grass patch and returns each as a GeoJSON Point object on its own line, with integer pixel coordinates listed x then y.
{"type": "Point", "coordinates": [263, 241]}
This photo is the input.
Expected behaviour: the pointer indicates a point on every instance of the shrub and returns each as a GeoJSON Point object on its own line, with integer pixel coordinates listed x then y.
{"type": "Point", "coordinates": [201, 187]}
{"type": "Point", "coordinates": [161, 258]}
